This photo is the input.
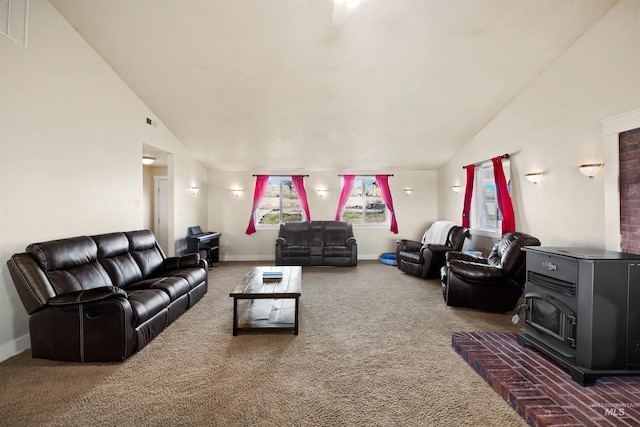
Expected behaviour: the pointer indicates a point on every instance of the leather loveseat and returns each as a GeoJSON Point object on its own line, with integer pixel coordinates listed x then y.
{"type": "Point", "coordinates": [104, 297]}
{"type": "Point", "coordinates": [316, 243]}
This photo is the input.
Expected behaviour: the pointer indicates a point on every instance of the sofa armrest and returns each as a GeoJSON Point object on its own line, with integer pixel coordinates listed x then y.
{"type": "Point", "coordinates": [434, 247]}
{"type": "Point", "coordinates": [475, 271]}
{"type": "Point", "coordinates": [90, 295]}
{"type": "Point", "coordinates": [184, 261]}
{"type": "Point", "coordinates": [461, 256]}
{"type": "Point", "coordinates": [351, 241]}
{"type": "Point", "coordinates": [281, 241]}
{"type": "Point", "coordinates": [408, 245]}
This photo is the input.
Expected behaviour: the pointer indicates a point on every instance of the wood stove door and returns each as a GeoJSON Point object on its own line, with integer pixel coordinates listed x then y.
{"type": "Point", "coordinates": [552, 322]}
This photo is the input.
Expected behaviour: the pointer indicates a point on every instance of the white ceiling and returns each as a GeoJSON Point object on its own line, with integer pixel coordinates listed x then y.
{"type": "Point", "coordinates": [289, 84]}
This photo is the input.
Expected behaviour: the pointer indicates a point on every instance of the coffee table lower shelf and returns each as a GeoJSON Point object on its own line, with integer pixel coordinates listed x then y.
{"type": "Point", "coordinates": [273, 314]}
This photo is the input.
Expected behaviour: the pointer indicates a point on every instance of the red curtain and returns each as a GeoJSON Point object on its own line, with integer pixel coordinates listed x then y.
{"type": "Point", "coordinates": [468, 193]}
{"type": "Point", "coordinates": [347, 183]}
{"type": "Point", "coordinates": [503, 196]}
{"type": "Point", "coordinates": [298, 182]}
{"type": "Point", "coordinates": [383, 184]}
{"type": "Point", "coordinates": [261, 187]}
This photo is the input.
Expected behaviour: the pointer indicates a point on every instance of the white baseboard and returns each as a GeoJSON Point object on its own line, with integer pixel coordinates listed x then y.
{"type": "Point", "coordinates": [14, 347]}
{"type": "Point", "coordinates": [248, 258]}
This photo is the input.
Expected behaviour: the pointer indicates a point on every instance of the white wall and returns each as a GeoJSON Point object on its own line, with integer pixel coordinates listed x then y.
{"type": "Point", "coordinates": [230, 215]}
{"type": "Point", "coordinates": [554, 126]}
{"type": "Point", "coordinates": [71, 136]}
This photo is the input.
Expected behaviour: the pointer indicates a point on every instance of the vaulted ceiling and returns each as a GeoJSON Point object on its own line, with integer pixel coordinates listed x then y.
{"type": "Point", "coordinates": [310, 85]}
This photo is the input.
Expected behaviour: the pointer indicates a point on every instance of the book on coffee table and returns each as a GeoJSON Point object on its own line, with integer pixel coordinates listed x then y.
{"type": "Point", "coordinates": [272, 275]}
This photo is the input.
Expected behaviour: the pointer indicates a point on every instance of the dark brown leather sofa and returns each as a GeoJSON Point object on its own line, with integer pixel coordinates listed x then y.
{"type": "Point", "coordinates": [494, 283]}
{"type": "Point", "coordinates": [104, 297]}
{"type": "Point", "coordinates": [317, 243]}
{"type": "Point", "coordinates": [425, 260]}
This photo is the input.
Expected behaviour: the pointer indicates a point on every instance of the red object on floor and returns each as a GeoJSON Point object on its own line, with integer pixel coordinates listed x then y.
{"type": "Point", "coordinates": [541, 391]}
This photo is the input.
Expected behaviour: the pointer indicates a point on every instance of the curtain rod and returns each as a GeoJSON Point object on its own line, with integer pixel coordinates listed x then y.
{"type": "Point", "coordinates": [357, 174]}
{"type": "Point", "coordinates": [270, 174]}
{"type": "Point", "coordinates": [504, 156]}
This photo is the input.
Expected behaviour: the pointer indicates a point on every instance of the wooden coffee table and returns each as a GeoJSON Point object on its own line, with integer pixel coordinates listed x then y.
{"type": "Point", "coordinates": [273, 303]}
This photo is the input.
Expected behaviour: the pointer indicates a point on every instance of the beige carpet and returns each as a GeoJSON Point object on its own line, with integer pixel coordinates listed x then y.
{"type": "Point", "coordinates": [374, 349]}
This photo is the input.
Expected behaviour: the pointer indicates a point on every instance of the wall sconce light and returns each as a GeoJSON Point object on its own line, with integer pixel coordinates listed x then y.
{"type": "Point", "coordinates": [408, 191]}
{"type": "Point", "coordinates": [237, 192]}
{"type": "Point", "coordinates": [351, 4]}
{"type": "Point", "coordinates": [590, 169]}
{"type": "Point", "coordinates": [456, 188]}
{"type": "Point", "coordinates": [533, 177]}
{"type": "Point", "coordinates": [194, 190]}
{"type": "Point", "coordinates": [321, 192]}
{"type": "Point", "coordinates": [148, 160]}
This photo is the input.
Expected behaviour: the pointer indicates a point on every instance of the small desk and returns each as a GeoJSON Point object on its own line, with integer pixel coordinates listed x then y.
{"type": "Point", "coordinates": [273, 303]}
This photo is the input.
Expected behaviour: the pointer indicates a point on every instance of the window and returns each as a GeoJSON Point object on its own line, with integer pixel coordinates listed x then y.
{"type": "Point", "coordinates": [365, 204]}
{"type": "Point", "coordinates": [487, 215]}
{"type": "Point", "coordinates": [280, 203]}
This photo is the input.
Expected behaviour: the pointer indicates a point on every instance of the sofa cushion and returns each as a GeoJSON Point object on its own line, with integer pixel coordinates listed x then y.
{"type": "Point", "coordinates": [337, 251]}
{"type": "Point", "coordinates": [336, 232]}
{"type": "Point", "coordinates": [297, 233]}
{"type": "Point", "coordinates": [64, 253]}
{"type": "Point", "coordinates": [295, 251]}
{"type": "Point", "coordinates": [193, 276]}
{"type": "Point", "coordinates": [183, 261]}
{"type": "Point", "coordinates": [412, 256]}
{"type": "Point", "coordinates": [174, 287]}
{"type": "Point", "coordinates": [146, 303]}
{"type": "Point", "coordinates": [70, 264]}
{"type": "Point", "coordinates": [113, 254]}
{"type": "Point", "coordinates": [145, 251]}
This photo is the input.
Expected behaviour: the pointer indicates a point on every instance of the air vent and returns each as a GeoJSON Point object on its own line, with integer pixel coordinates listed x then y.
{"type": "Point", "coordinates": [14, 20]}
{"type": "Point", "coordinates": [152, 123]}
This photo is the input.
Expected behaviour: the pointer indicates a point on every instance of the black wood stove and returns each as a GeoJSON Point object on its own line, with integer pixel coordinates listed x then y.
{"type": "Point", "coordinates": [582, 308]}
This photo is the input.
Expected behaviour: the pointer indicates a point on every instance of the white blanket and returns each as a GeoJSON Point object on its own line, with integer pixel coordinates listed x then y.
{"type": "Point", "coordinates": [438, 232]}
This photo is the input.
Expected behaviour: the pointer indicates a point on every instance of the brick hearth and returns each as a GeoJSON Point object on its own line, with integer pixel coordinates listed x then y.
{"type": "Point", "coordinates": [542, 391]}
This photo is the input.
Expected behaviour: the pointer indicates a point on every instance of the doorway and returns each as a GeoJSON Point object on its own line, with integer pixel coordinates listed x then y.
{"type": "Point", "coordinates": [161, 211]}
{"type": "Point", "coordinates": [157, 183]}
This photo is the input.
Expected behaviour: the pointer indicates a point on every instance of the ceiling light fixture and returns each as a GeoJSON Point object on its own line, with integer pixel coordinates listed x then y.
{"type": "Point", "coordinates": [456, 188]}
{"type": "Point", "coordinates": [146, 160]}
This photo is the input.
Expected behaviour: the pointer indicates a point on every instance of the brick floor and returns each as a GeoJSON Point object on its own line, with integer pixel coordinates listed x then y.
{"type": "Point", "coordinates": [542, 391]}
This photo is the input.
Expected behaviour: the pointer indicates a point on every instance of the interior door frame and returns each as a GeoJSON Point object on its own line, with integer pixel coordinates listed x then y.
{"type": "Point", "coordinates": [160, 211]}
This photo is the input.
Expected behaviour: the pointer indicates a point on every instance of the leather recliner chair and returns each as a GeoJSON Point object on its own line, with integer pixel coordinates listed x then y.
{"type": "Point", "coordinates": [494, 283]}
{"type": "Point", "coordinates": [426, 260]}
